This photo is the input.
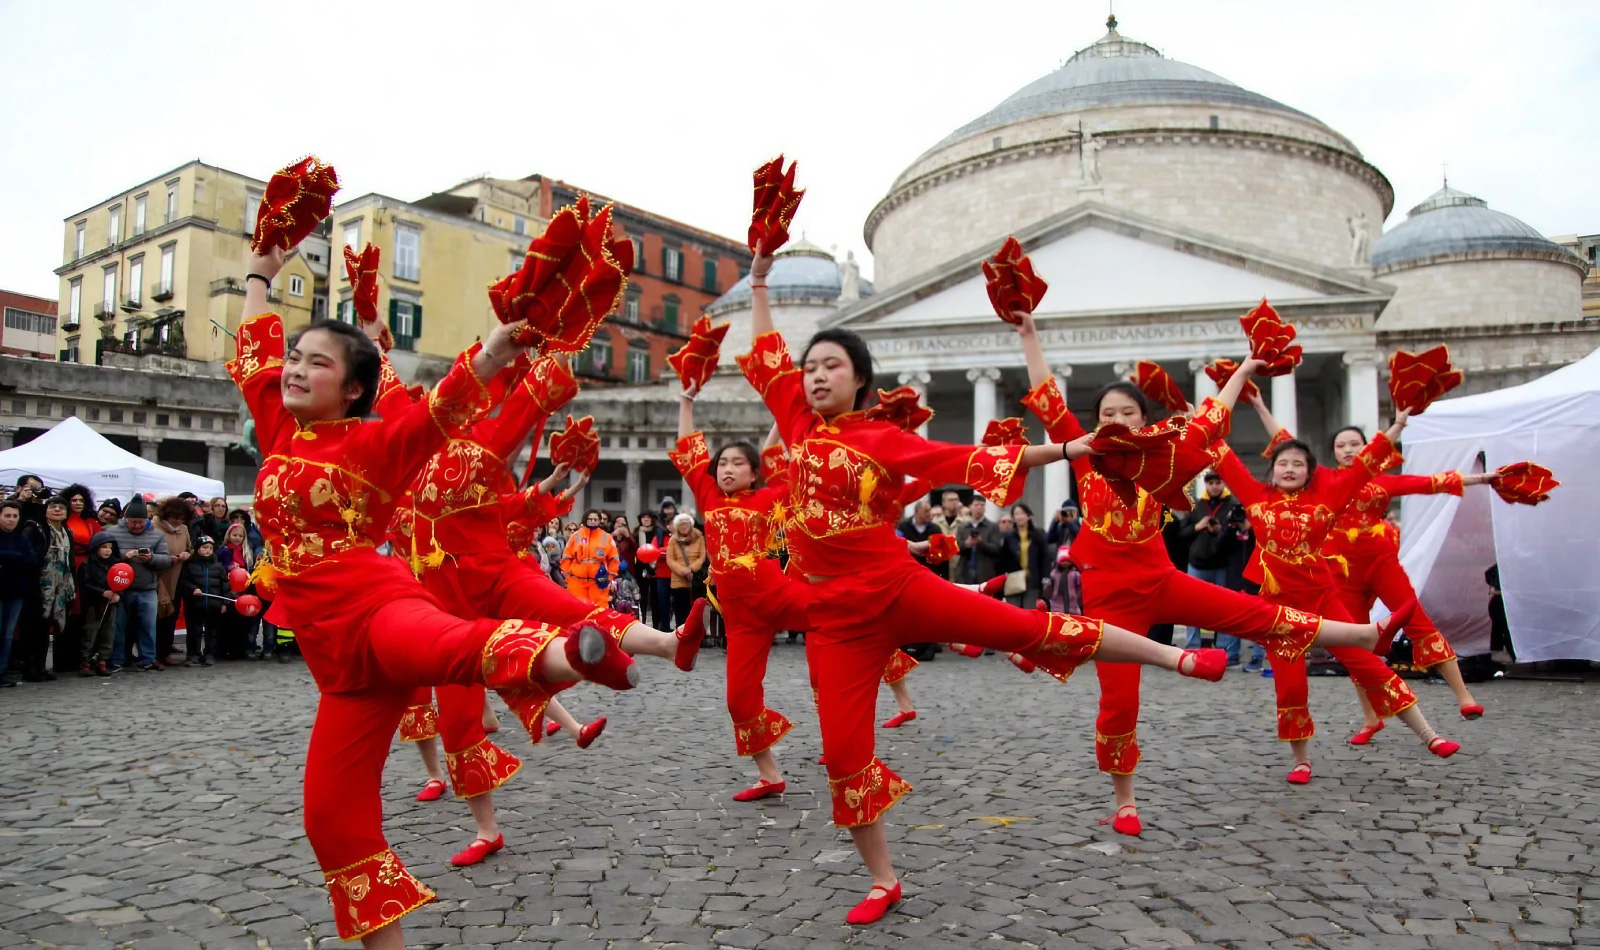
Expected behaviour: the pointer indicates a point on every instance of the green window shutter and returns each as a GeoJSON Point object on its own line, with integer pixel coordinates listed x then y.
{"type": "Point", "coordinates": [394, 316]}
{"type": "Point", "coordinates": [416, 321]}
{"type": "Point", "coordinates": [711, 275]}
{"type": "Point", "coordinates": [666, 262]}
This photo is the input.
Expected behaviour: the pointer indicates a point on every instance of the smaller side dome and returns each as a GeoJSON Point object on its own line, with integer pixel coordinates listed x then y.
{"type": "Point", "coordinates": [1451, 222]}
{"type": "Point", "coordinates": [801, 272]}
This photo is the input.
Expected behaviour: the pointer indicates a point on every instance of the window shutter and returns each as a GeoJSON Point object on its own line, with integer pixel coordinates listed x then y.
{"type": "Point", "coordinates": [394, 316]}
{"type": "Point", "coordinates": [416, 321]}
{"type": "Point", "coordinates": [666, 262]}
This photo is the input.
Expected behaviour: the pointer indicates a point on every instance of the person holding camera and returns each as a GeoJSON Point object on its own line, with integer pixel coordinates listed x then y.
{"type": "Point", "coordinates": [1205, 529]}
{"type": "Point", "coordinates": [145, 548]}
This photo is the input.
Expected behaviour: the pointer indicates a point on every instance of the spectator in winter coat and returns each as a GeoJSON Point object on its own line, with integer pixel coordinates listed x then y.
{"type": "Point", "coordinates": [1027, 548]}
{"type": "Point", "coordinates": [19, 579]}
{"type": "Point", "coordinates": [145, 548]}
{"type": "Point", "coordinates": [109, 512]}
{"type": "Point", "coordinates": [920, 527]}
{"type": "Point", "coordinates": [172, 520]}
{"type": "Point", "coordinates": [979, 542]}
{"type": "Point", "coordinates": [99, 605]}
{"type": "Point", "coordinates": [686, 558]}
{"type": "Point", "coordinates": [1204, 528]}
{"type": "Point", "coordinates": [203, 584]}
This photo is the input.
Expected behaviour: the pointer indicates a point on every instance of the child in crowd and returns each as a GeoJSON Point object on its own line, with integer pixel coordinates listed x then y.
{"type": "Point", "coordinates": [204, 586]}
{"type": "Point", "coordinates": [99, 604]}
{"type": "Point", "coordinates": [625, 591]}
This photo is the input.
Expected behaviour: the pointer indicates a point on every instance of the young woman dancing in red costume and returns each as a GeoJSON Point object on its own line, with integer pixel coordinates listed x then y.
{"type": "Point", "coordinates": [1364, 551]}
{"type": "Point", "coordinates": [1129, 580]}
{"type": "Point", "coordinates": [1291, 516]}
{"type": "Point", "coordinates": [369, 632]}
{"type": "Point", "coordinates": [845, 474]}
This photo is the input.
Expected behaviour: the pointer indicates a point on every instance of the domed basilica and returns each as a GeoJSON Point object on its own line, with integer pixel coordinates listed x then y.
{"type": "Point", "coordinates": [1160, 201]}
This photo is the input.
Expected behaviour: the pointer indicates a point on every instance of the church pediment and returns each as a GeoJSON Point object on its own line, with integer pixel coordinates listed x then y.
{"type": "Point", "coordinates": [1102, 261]}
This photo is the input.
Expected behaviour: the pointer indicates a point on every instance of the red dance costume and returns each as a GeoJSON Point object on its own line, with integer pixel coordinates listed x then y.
{"type": "Point", "coordinates": [369, 632]}
{"type": "Point", "coordinates": [845, 480]}
{"type": "Point", "coordinates": [1290, 528]}
{"type": "Point", "coordinates": [756, 598]}
{"type": "Point", "coordinates": [1129, 581]}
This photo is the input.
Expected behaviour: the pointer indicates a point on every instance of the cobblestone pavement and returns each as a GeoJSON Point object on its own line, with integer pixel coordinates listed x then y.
{"type": "Point", "coordinates": [162, 810]}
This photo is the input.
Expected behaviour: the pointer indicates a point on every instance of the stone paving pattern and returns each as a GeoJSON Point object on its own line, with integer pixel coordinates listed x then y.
{"type": "Point", "coordinates": [162, 811]}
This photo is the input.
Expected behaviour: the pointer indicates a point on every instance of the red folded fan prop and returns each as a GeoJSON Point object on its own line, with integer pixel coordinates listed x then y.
{"type": "Point", "coordinates": [1011, 282]}
{"type": "Point", "coordinates": [362, 272]}
{"type": "Point", "coordinates": [1154, 458]}
{"type": "Point", "coordinates": [1159, 385]}
{"type": "Point", "coordinates": [1222, 370]}
{"type": "Point", "coordinates": [576, 446]}
{"type": "Point", "coordinates": [1271, 340]}
{"type": "Point", "coordinates": [774, 205]}
{"type": "Point", "coordinates": [697, 360]}
{"type": "Point", "coordinates": [941, 548]}
{"type": "Point", "coordinates": [1417, 379]}
{"type": "Point", "coordinates": [297, 198]}
{"type": "Point", "coordinates": [1005, 432]}
{"type": "Point", "coordinates": [574, 274]}
{"type": "Point", "coordinates": [1524, 483]}
{"type": "Point", "coordinates": [902, 408]}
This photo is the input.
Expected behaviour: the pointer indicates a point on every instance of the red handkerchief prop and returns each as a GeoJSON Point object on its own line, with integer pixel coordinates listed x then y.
{"type": "Point", "coordinates": [1005, 432]}
{"type": "Point", "coordinates": [1417, 379]}
{"type": "Point", "coordinates": [902, 408]}
{"type": "Point", "coordinates": [1524, 483]}
{"type": "Point", "coordinates": [1222, 370]}
{"type": "Point", "coordinates": [776, 200]}
{"type": "Point", "coordinates": [576, 446]}
{"type": "Point", "coordinates": [697, 359]}
{"type": "Point", "coordinates": [574, 274]}
{"type": "Point", "coordinates": [1154, 458]}
{"type": "Point", "coordinates": [362, 272]}
{"type": "Point", "coordinates": [1159, 385]}
{"type": "Point", "coordinates": [1271, 340]}
{"type": "Point", "coordinates": [297, 198]}
{"type": "Point", "coordinates": [1011, 282]}
{"type": "Point", "coordinates": [941, 548]}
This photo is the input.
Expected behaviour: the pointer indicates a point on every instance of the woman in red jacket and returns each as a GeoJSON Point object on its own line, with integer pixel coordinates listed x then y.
{"type": "Point", "coordinates": [846, 472]}
{"type": "Point", "coordinates": [1128, 579]}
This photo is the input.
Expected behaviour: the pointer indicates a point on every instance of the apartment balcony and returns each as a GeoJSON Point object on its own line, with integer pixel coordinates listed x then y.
{"type": "Point", "coordinates": [236, 285]}
{"type": "Point", "coordinates": [161, 292]}
{"type": "Point", "coordinates": [105, 310]}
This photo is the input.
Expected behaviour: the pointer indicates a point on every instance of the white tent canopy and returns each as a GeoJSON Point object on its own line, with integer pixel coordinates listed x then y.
{"type": "Point", "coordinates": [1549, 561]}
{"type": "Point", "coordinates": [73, 452]}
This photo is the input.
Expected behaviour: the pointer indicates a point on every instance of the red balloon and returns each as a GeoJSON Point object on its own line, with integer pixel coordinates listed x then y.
{"type": "Point", "coordinates": [120, 576]}
{"type": "Point", "coordinates": [248, 605]}
{"type": "Point", "coordinates": [648, 553]}
{"type": "Point", "coordinates": [238, 579]}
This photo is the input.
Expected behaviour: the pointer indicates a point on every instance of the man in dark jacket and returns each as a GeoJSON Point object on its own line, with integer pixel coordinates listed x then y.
{"type": "Point", "coordinates": [19, 579]}
{"type": "Point", "coordinates": [979, 542]}
{"type": "Point", "coordinates": [145, 548]}
{"type": "Point", "coordinates": [1204, 528]}
{"type": "Point", "coordinates": [920, 527]}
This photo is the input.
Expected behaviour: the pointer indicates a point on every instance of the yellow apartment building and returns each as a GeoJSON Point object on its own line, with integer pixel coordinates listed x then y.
{"type": "Point", "coordinates": [158, 269]}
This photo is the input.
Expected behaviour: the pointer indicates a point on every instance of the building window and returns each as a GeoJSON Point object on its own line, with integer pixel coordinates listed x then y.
{"type": "Point", "coordinates": [163, 419]}
{"type": "Point", "coordinates": [172, 203]}
{"type": "Point", "coordinates": [319, 307]}
{"type": "Point", "coordinates": [404, 325]}
{"type": "Point", "coordinates": [30, 322]}
{"type": "Point", "coordinates": [70, 354]}
{"type": "Point", "coordinates": [168, 257]}
{"type": "Point", "coordinates": [638, 362]}
{"type": "Point", "coordinates": [116, 415]}
{"type": "Point", "coordinates": [114, 226]}
{"type": "Point", "coordinates": [672, 263]}
{"type": "Point", "coordinates": [638, 256]}
{"type": "Point", "coordinates": [252, 207]}
{"type": "Point", "coordinates": [352, 234]}
{"type": "Point", "coordinates": [109, 285]}
{"type": "Point", "coordinates": [709, 272]}
{"type": "Point", "coordinates": [519, 225]}
{"type": "Point", "coordinates": [347, 311]}
{"type": "Point", "coordinates": [669, 313]}
{"type": "Point", "coordinates": [630, 306]}
{"type": "Point", "coordinates": [78, 241]}
{"type": "Point", "coordinates": [517, 257]}
{"type": "Point", "coordinates": [407, 253]}
{"type": "Point", "coordinates": [74, 300]}
{"type": "Point", "coordinates": [135, 280]}
{"type": "Point", "coordinates": [138, 214]}
{"type": "Point", "coordinates": [297, 286]}
{"type": "Point", "coordinates": [598, 361]}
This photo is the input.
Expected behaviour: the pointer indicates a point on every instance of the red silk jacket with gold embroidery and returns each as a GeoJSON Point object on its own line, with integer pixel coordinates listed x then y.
{"type": "Point", "coordinates": [847, 473]}
{"type": "Point", "coordinates": [1360, 531]}
{"type": "Point", "coordinates": [741, 526]}
{"type": "Point", "coordinates": [325, 492]}
{"type": "Point", "coordinates": [466, 496]}
{"type": "Point", "coordinates": [1116, 536]}
{"type": "Point", "coordinates": [1290, 527]}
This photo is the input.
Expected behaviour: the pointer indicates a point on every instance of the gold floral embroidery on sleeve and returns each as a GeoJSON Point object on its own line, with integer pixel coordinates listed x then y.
{"type": "Point", "coordinates": [1214, 419]}
{"type": "Point", "coordinates": [690, 453]}
{"type": "Point", "coordinates": [551, 384]}
{"type": "Point", "coordinates": [259, 347]}
{"type": "Point", "coordinates": [1046, 402]}
{"type": "Point", "coordinates": [1441, 483]}
{"type": "Point", "coordinates": [767, 362]}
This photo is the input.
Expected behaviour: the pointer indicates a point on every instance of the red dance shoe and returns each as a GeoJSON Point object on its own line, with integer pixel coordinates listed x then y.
{"type": "Point", "coordinates": [900, 719]}
{"type": "Point", "coordinates": [970, 650]}
{"type": "Point", "coordinates": [1300, 774]}
{"type": "Point", "coordinates": [761, 789]}
{"type": "Point", "coordinates": [990, 588]}
{"type": "Point", "coordinates": [1206, 664]}
{"type": "Point", "coordinates": [1020, 662]}
{"type": "Point", "coordinates": [1125, 821]}
{"type": "Point", "coordinates": [552, 727]}
{"type": "Point", "coordinates": [587, 734]}
{"type": "Point", "coordinates": [822, 760]}
{"type": "Point", "coordinates": [479, 849]}
{"type": "Point", "coordinates": [878, 902]}
{"type": "Point", "coordinates": [598, 659]}
{"type": "Point", "coordinates": [432, 791]}
{"type": "Point", "coordinates": [1396, 621]}
{"type": "Point", "coordinates": [1365, 733]}
{"type": "Point", "coordinates": [1442, 747]}
{"type": "Point", "coordinates": [1471, 711]}
{"type": "Point", "coordinates": [690, 636]}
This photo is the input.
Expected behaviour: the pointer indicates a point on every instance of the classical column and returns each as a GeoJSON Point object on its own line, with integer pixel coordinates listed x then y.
{"type": "Point", "coordinates": [1361, 390]}
{"type": "Point", "coordinates": [1057, 477]}
{"type": "Point", "coordinates": [1284, 407]}
{"type": "Point", "coordinates": [149, 448]}
{"type": "Point", "coordinates": [984, 399]}
{"type": "Point", "coordinates": [1204, 388]}
{"type": "Point", "coordinates": [216, 462]}
{"type": "Point", "coordinates": [918, 380]}
{"type": "Point", "coordinates": [630, 490]}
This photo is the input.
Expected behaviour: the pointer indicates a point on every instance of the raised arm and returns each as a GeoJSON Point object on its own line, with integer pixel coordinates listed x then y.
{"type": "Point", "coordinates": [760, 306]}
{"type": "Point", "coordinates": [534, 396]}
{"type": "Point", "coordinates": [1337, 488]}
{"type": "Point", "coordinates": [1032, 352]}
{"type": "Point", "coordinates": [1275, 432]}
{"type": "Point", "coordinates": [1229, 395]}
{"type": "Point", "coordinates": [686, 410]}
{"type": "Point", "coordinates": [1238, 478]}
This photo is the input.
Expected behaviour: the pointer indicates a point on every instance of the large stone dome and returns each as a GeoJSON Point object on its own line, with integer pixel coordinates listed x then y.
{"type": "Point", "coordinates": [1123, 125]}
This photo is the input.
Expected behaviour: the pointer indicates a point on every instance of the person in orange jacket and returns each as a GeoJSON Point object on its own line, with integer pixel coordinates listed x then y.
{"type": "Point", "coordinates": [590, 560]}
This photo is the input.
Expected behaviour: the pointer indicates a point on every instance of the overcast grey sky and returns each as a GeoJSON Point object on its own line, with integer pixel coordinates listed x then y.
{"type": "Point", "coordinates": [670, 106]}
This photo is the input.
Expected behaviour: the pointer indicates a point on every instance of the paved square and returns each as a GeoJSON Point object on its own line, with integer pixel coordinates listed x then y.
{"type": "Point", "coordinates": [162, 811]}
